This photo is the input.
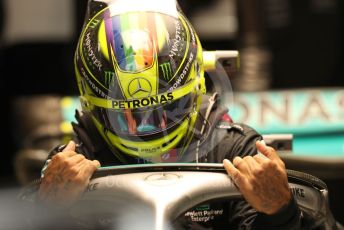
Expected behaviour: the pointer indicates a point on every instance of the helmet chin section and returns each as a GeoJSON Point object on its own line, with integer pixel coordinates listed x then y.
{"type": "Point", "coordinates": [147, 149]}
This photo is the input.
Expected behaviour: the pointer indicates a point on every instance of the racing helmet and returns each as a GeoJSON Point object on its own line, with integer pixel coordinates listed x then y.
{"type": "Point", "coordinates": [140, 74]}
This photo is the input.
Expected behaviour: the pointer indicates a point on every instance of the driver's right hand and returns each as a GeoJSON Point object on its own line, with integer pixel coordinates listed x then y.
{"type": "Point", "coordinates": [66, 177]}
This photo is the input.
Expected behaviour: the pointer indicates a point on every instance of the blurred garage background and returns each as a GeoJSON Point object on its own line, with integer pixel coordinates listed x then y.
{"type": "Point", "coordinates": [291, 78]}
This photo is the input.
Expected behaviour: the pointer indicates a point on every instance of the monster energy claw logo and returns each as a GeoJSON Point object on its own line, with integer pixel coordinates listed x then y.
{"type": "Point", "coordinates": [166, 71]}
{"type": "Point", "coordinates": [109, 78]}
{"type": "Point", "coordinates": [94, 23]}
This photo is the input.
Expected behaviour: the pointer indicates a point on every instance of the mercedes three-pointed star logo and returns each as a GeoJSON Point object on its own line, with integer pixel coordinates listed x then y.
{"type": "Point", "coordinates": [140, 87]}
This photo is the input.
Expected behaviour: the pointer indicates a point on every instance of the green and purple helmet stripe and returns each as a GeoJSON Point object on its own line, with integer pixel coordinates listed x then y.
{"type": "Point", "coordinates": [131, 58]}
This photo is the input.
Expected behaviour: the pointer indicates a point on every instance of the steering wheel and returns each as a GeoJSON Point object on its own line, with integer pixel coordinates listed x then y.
{"type": "Point", "coordinates": [152, 196]}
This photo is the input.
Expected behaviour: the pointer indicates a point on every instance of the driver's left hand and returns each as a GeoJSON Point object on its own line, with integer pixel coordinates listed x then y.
{"type": "Point", "coordinates": [262, 179]}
